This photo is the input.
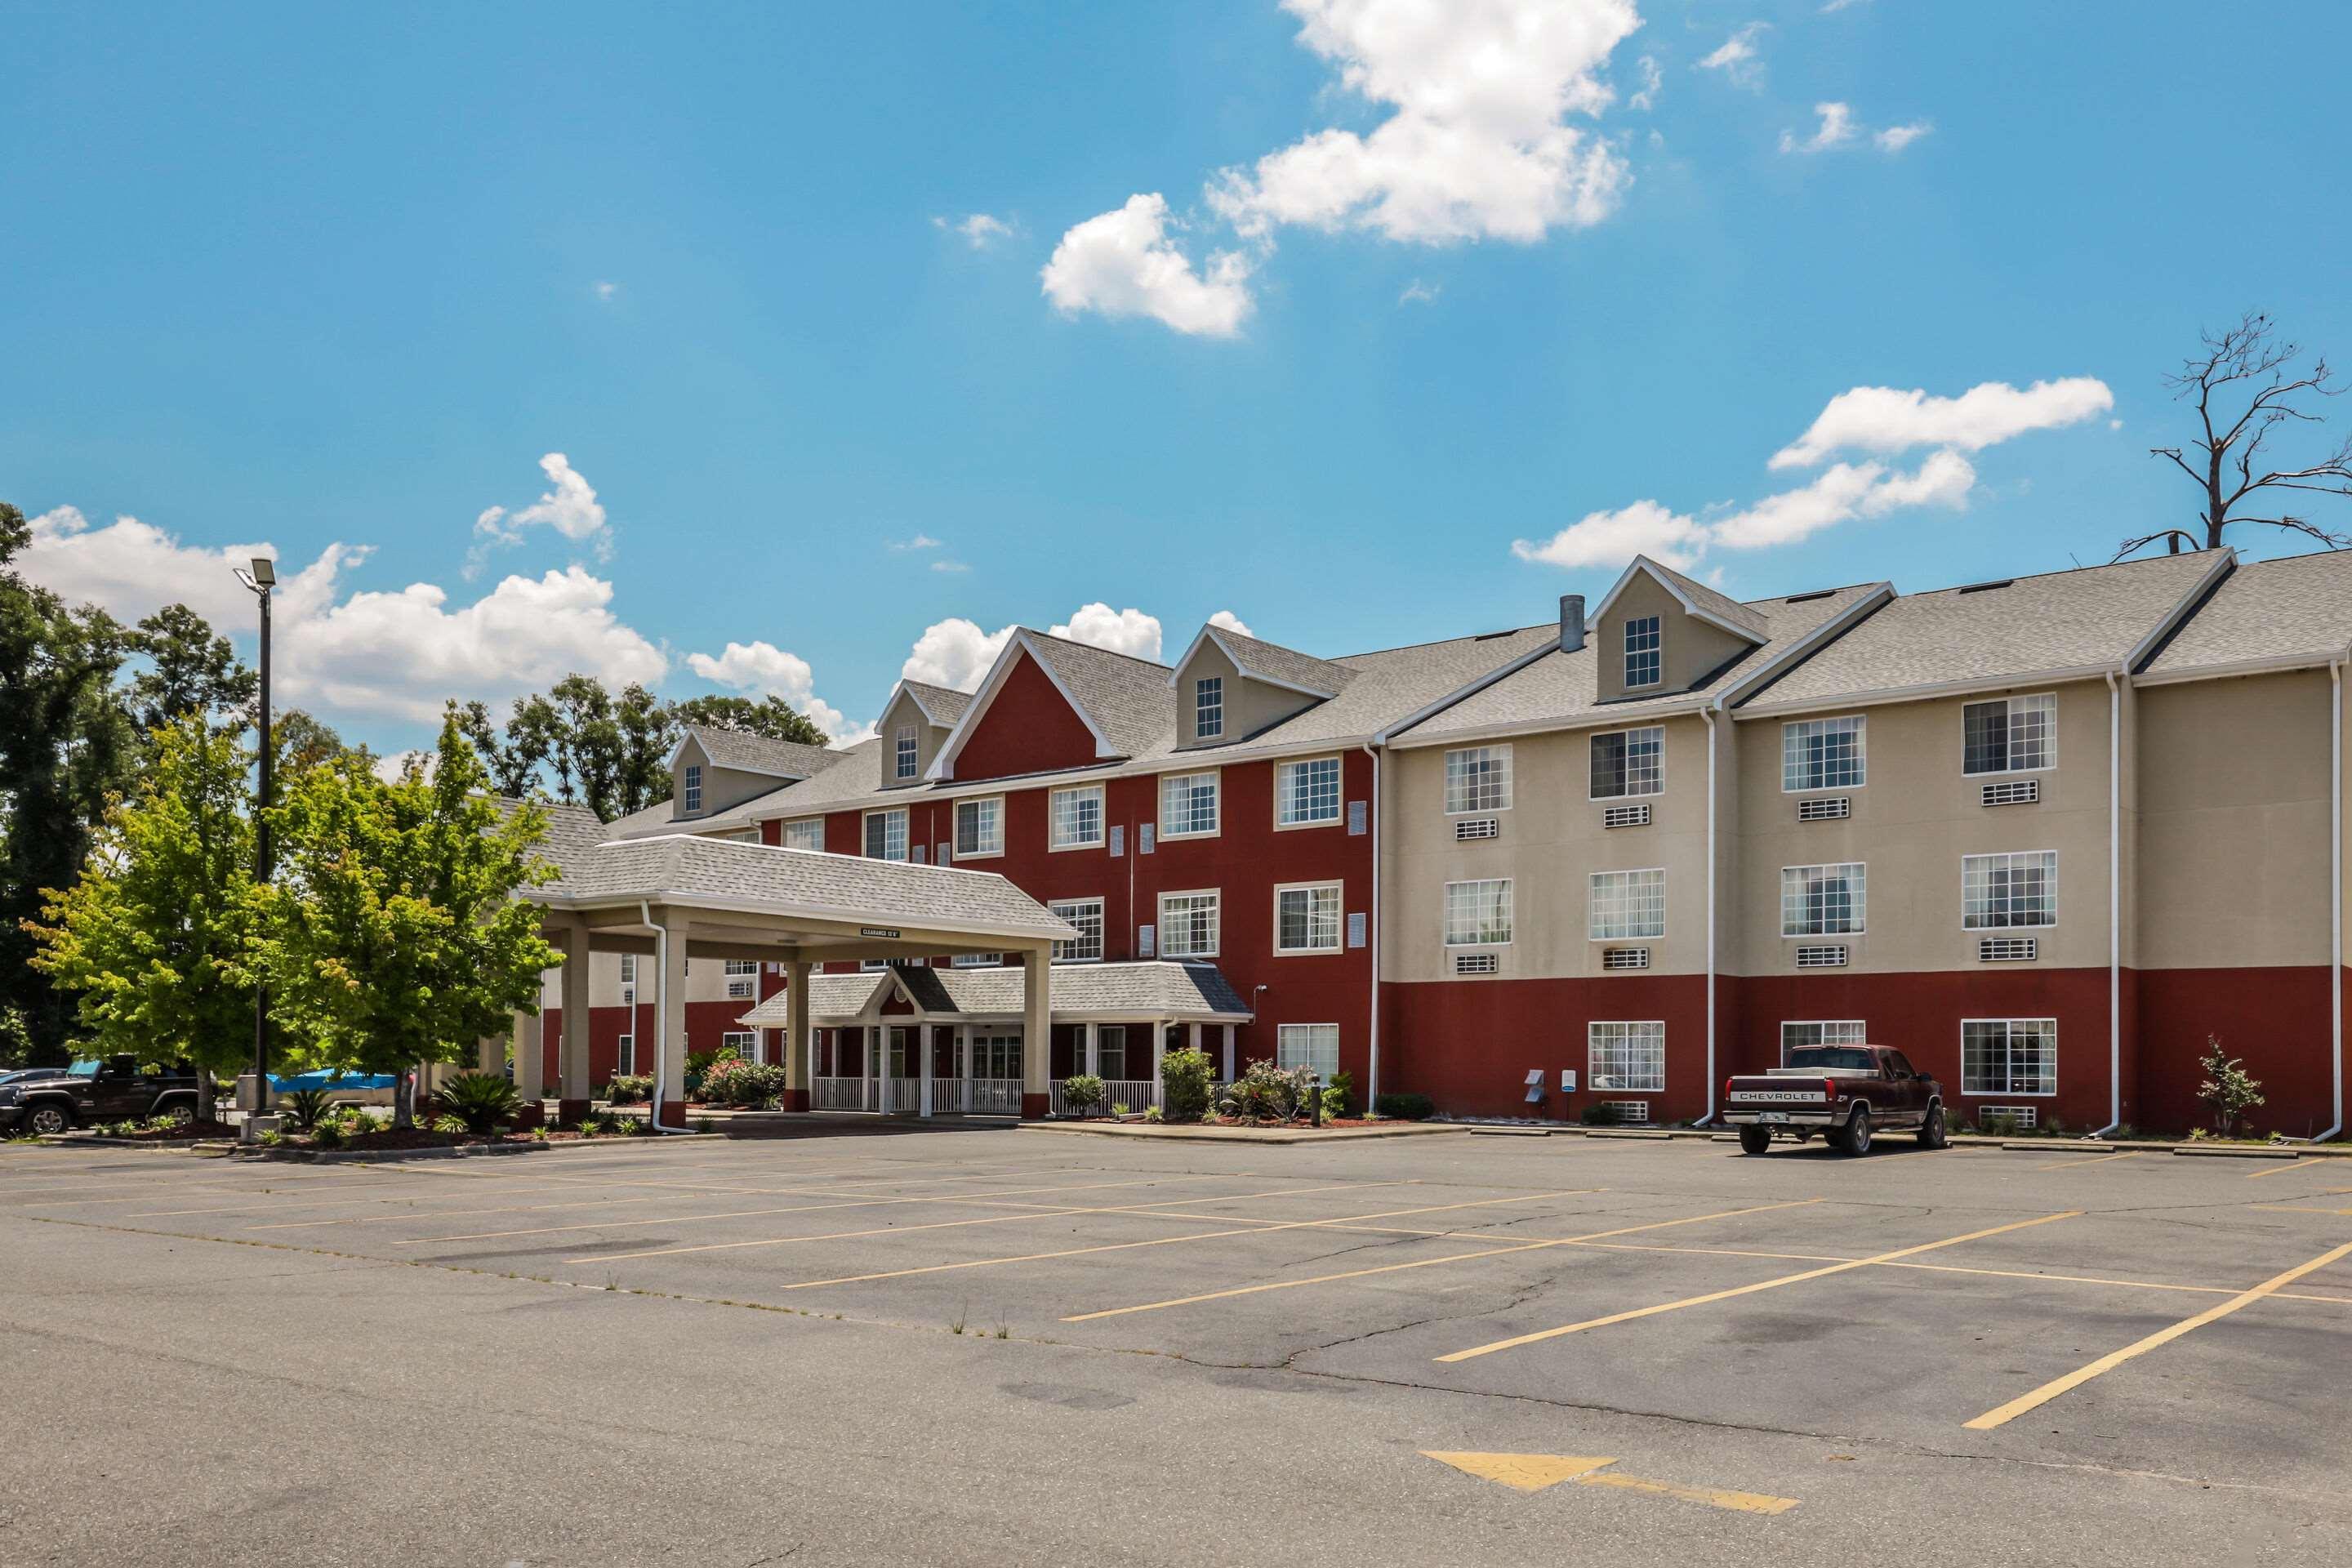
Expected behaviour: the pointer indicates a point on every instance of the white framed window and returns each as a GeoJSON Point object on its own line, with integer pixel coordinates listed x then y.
{"type": "Point", "coordinates": [2009, 734]}
{"type": "Point", "coordinates": [744, 1043]}
{"type": "Point", "coordinates": [1626, 904]}
{"type": "Point", "coordinates": [1307, 917]}
{"type": "Point", "coordinates": [805, 833]}
{"type": "Point", "coordinates": [1314, 1046]}
{"type": "Point", "coordinates": [1188, 805]}
{"type": "Point", "coordinates": [1307, 793]}
{"type": "Point", "coordinates": [1629, 1057]}
{"type": "Point", "coordinates": [1209, 707]}
{"type": "Point", "coordinates": [689, 794]}
{"type": "Point", "coordinates": [1645, 648]}
{"type": "Point", "coordinates": [628, 979]}
{"type": "Point", "coordinates": [2009, 1056]}
{"type": "Point", "coordinates": [1478, 914]}
{"type": "Point", "coordinates": [977, 960]}
{"type": "Point", "coordinates": [2000, 891]}
{"type": "Point", "coordinates": [980, 827]}
{"type": "Point", "coordinates": [1823, 900]}
{"type": "Point", "coordinates": [906, 745]}
{"type": "Point", "coordinates": [1629, 762]}
{"type": "Point", "coordinates": [1189, 924]}
{"type": "Point", "coordinates": [997, 1056]}
{"type": "Point", "coordinates": [885, 835]}
{"type": "Point", "coordinates": [1799, 1034]}
{"type": "Point", "coordinates": [1086, 914]}
{"type": "Point", "coordinates": [742, 979]}
{"type": "Point", "coordinates": [1823, 754]}
{"type": "Point", "coordinates": [1477, 778]}
{"type": "Point", "coordinates": [1075, 818]}
{"type": "Point", "coordinates": [625, 1064]}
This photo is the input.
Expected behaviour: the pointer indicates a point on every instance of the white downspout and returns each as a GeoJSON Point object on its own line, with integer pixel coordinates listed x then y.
{"type": "Point", "coordinates": [661, 1016]}
{"type": "Point", "coordinates": [1706, 712]}
{"type": "Point", "coordinates": [2334, 893]}
{"type": "Point", "coordinates": [1372, 937]}
{"type": "Point", "coordinates": [2114, 908]}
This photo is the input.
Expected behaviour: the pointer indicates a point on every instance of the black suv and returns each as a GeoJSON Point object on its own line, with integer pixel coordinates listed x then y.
{"type": "Point", "coordinates": [54, 1099]}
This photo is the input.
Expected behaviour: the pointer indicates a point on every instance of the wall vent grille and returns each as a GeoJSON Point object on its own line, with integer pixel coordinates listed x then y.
{"type": "Point", "coordinates": [1474, 964]}
{"type": "Point", "coordinates": [1477, 828]}
{"type": "Point", "coordinates": [1828, 808]}
{"type": "Point", "coordinates": [1625, 958]}
{"type": "Point", "coordinates": [1358, 819]}
{"type": "Point", "coordinates": [1629, 1109]}
{"type": "Point", "coordinates": [1626, 815]}
{"type": "Point", "coordinates": [2022, 1117]}
{"type": "Point", "coordinates": [2016, 792]}
{"type": "Point", "coordinates": [2008, 949]}
{"type": "Point", "coordinates": [1356, 928]}
{"type": "Point", "coordinates": [1829, 957]}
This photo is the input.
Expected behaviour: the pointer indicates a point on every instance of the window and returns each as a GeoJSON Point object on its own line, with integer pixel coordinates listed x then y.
{"type": "Point", "coordinates": [1822, 900]}
{"type": "Point", "coordinates": [2009, 1056]}
{"type": "Point", "coordinates": [1478, 914]}
{"type": "Point", "coordinates": [1822, 1032]}
{"type": "Point", "coordinates": [743, 1042]}
{"type": "Point", "coordinates": [2002, 891]}
{"type": "Point", "coordinates": [1188, 925]}
{"type": "Point", "coordinates": [742, 978]}
{"type": "Point", "coordinates": [908, 746]}
{"type": "Point", "coordinates": [1111, 1051]}
{"type": "Point", "coordinates": [1628, 904]}
{"type": "Point", "coordinates": [806, 833]}
{"type": "Point", "coordinates": [980, 827]}
{"type": "Point", "coordinates": [1209, 707]}
{"type": "Point", "coordinates": [1086, 914]}
{"type": "Point", "coordinates": [1644, 639]}
{"type": "Point", "coordinates": [1307, 793]}
{"type": "Point", "coordinates": [626, 1062]}
{"type": "Point", "coordinates": [1822, 753]}
{"type": "Point", "coordinates": [1479, 778]}
{"type": "Point", "coordinates": [977, 960]}
{"type": "Point", "coordinates": [997, 1057]}
{"type": "Point", "coordinates": [1312, 1046]}
{"type": "Point", "coordinates": [628, 979]}
{"type": "Point", "coordinates": [885, 835]}
{"type": "Point", "coordinates": [1188, 805]}
{"type": "Point", "coordinates": [690, 792]}
{"type": "Point", "coordinates": [1629, 761]}
{"type": "Point", "coordinates": [1306, 918]}
{"type": "Point", "coordinates": [2010, 735]}
{"type": "Point", "coordinates": [1627, 1056]}
{"type": "Point", "coordinates": [1074, 817]}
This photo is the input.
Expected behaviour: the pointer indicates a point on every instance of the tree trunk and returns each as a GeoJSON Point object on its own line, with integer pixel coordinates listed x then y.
{"type": "Point", "coordinates": [404, 1098]}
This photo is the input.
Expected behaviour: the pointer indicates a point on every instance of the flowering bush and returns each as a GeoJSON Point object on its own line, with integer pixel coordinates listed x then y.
{"type": "Point", "coordinates": [1265, 1092]}
{"type": "Point", "coordinates": [750, 1085]}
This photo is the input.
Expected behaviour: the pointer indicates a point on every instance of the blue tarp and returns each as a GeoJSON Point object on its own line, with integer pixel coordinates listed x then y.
{"type": "Point", "coordinates": [357, 1080]}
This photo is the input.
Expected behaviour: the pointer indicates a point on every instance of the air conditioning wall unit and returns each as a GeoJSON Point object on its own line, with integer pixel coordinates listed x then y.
{"type": "Point", "coordinates": [1626, 815]}
{"type": "Point", "coordinates": [1825, 808]}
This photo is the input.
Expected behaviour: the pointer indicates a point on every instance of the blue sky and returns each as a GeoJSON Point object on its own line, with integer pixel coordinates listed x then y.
{"type": "Point", "coordinates": [341, 281]}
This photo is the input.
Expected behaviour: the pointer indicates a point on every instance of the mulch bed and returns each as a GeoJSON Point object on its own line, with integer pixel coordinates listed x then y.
{"type": "Point", "coordinates": [178, 1132]}
{"type": "Point", "coordinates": [407, 1138]}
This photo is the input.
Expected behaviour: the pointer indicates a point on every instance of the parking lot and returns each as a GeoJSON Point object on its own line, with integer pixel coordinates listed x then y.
{"type": "Point", "coordinates": [1016, 1345]}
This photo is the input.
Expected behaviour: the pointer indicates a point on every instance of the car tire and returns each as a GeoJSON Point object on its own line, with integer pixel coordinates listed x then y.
{"type": "Point", "coordinates": [1853, 1137]}
{"type": "Point", "coordinates": [183, 1112]}
{"type": "Point", "coordinates": [1933, 1134]}
{"type": "Point", "coordinates": [1755, 1140]}
{"type": "Point", "coordinates": [44, 1117]}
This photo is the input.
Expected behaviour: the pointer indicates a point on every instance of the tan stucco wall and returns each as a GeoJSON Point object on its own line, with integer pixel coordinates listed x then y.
{"type": "Point", "coordinates": [1250, 705]}
{"type": "Point", "coordinates": [929, 737]}
{"type": "Point", "coordinates": [721, 787]}
{"type": "Point", "coordinates": [1689, 648]}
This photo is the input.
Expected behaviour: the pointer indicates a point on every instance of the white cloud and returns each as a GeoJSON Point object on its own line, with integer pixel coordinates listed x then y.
{"type": "Point", "coordinates": [1128, 631]}
{"type": "Point", "coordinates": [951, 566]}
{"type": "Point", "coordinates": [1232, 622]}
{"type": "Point", "coordinates": [1419, 293]}
{"type": "Point", "coordinates": [133, 569]}
{"type": "Point", "coordinates": [770, 671]}
{"type": "Point", "coordinates": [607, 290]}
{"type": "Point", "coordinates": [1739, 58]}
{"type": "Point", "coordinates": [1894, 137]}
{"type": "Point", "coordinates": [1840, 493]}
{"type": "Point", "coordinates": [1653, 81]}
{"type": "Point", "coordinates": [1836, 129]}
{"type": "Point", "coordinates": [1123, 263]}
{"type": "Point", "coordinates": [1613, 537]}
{"type": "Point", "coordinates": [570, 507]}
{"type": "Point", "coordinates": [979, 230]}
{"type": "Point", "coordinates": [1886, 419]}
{"type": "Point", "coordinates": [954, 653]}
{"type": "Point", "coordinates": [921, 542]}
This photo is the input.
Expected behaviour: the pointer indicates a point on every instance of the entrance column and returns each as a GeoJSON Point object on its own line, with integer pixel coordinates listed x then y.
{"type": "Point", "coordinates": [491, 1053]}
{"type": "Point", "coordinates": [1090, 1060]}
{"type": "Point", "coordinates": [1159, 1053]}
{"type": "Point", "coordinates": [1228, 1053]}
{"type": "Point", "coordinates": [530, 1056]}
{"type": "Point", "coordinates": [572, 1052]}
{"type": "Point", "coordinates": [669, 1037]}
{"type": "Point", "coordinates": [1037, 1033]}
{"type": "Point", "coordinates": [797, 1043]}
{"type": "Point", "coordinates": [923, 1045]}
{"type": "Point", "coordinates": [1192, 1036]}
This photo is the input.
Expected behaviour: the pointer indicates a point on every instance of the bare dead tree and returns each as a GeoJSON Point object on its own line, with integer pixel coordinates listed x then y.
{"type": "Point", "coordinates": [2229, 467]}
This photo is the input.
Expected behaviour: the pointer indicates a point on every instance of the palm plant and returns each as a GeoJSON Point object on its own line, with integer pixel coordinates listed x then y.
{"type": "Point", "coordinates": [481, 1100]}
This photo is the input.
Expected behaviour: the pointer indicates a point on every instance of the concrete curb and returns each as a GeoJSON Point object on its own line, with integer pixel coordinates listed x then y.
{"type": "Point", "coordinates": [1182, 1134]}
{"type": "Point", "coordinates": [388, 1156]}
{"type": "Point", "coordinates": [99, 1141]}
{"type": "Point", "coordinates": [2239, 1151]}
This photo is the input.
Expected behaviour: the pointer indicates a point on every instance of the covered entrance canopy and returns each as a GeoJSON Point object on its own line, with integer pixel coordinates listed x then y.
{"type": "Point", "coordinates": [924, 1040]}
{"type": "Point", "coordinates": [680, 896]}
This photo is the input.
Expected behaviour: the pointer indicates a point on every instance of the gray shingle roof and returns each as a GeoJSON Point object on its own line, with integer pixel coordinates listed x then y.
{"type": "Point", "coordinates": [1564, 688]}
{"type": "Point", "coordinates": [940, 704]}
{"type": "Point", "coordinates": [1288, 666]}
{"type": "Point", "coordinates": [1127, 698]}
{"type": "Point", "coordinates": [1722, 606]}
{"type": "Point", "coordinates": [762, 753]}
{"type": "Point", "coordinates": [2296, 608]}
{"type": "Point", "coordinates": [2027, 628]}
{"type": "Point", "coordinates": [1162, 989]}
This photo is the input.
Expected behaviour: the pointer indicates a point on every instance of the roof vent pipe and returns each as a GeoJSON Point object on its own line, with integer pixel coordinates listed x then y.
{"type": "Point", "coordinates": [1571, 622]}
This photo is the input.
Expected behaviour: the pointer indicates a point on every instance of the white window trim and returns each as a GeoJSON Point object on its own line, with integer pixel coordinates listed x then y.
{"type": "Point", "coordinates": [1102, 817]}
{"type": "Point", "coordinates": [690, 792]}
{"type": "Point", "coordinates": [1281, 1029]}
{"type": "Point", "coordinates": [906, 838]}
{"type": "Point", "coordinates": [1787, 1024]}
{"type": "Point", "coordinates": [1445, 911]}
{"type": "Point", "coordinates": [1591, 888]}
{"type": "Point", "coordinates": [1337, 819]}
{"type": "Point", "coordinates": [1102, 913]}
{"type": "Point", "coordinates": [2050, 924]}
{"type": "Point", "coordinates": [784, 832]}
{"type": "Point", "coordinates": [1593, 799]}
{"type": "Point", "coordinates": [1510, 782]}
{"type": "Point", "coordinates": [1339, 926]}
{"type": "Point", "coordinates": [1625, 653]}
{"type": "Point", "coordinates": [1219, 732]}
{"type": "Point", "coordinates": [1861, 734]}
{"type": "Point", "coordinates": [1161, 944]}
{"type": "Point", "coordinates": [955, 828]}
{"type": "Point", "coordinates": [1780, 905]}
{"type": "Point", "coordinates": [2050, 1093]}
{"type": "Point", "coordinates": [898, 739]}
{"type": "Point", "coordinates": [2049, 745]}
{"type": "Point", "coordinates": [1166, 779]}
{"type": "Point", "coordinates": [1593, 1078]}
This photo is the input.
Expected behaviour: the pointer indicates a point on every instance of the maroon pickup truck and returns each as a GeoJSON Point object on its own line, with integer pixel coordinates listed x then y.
{"type": "Point", "coordinates": [1847, 1093]}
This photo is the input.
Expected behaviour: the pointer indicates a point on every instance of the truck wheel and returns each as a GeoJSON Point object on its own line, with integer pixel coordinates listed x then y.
{"type": "Point", "coordinates": [1932, 1132]}
{"type": "Point", "coordinates": [48, 1117]}
{"type": "Point", "coordinates": [1854, 1137]}
{"type": "Point", "coordinates": [1755, 1140]}
{"type": "Point", "coordinates": [180, 1110]}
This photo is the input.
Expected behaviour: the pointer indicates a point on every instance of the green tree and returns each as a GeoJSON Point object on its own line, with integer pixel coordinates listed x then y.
{"type": "Point", "coordinates": [647, 736]}
{"type": "Point", "coordinates": [393, 936]}
{"type": "Point", "coordinates": [770, 716]}
{"type": "Point", "coordinates": [154, 936]}
{"type": "Point", "coordinates": [586, 749]}
{"type": "Point", "coordinates": [190, 669]}
{"type": "Point", "coordinates": [302, 742]}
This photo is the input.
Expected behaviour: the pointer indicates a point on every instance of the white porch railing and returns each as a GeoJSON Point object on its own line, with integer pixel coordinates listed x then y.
{"type": "Point", "coordinates": [1137, 1094]}
{"type": "Point", "coordinates": [949, 1096]}
{"type": "Point", "coordinates": [839, 1094]}
{"type": "Point", "coordinates": [990, 1096]}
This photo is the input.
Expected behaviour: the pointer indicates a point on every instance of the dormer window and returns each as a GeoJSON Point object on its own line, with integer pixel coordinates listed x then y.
{"type": "Point", "coordinates": [1643, 644]}
{"type": "Point", "coordinates": [1209, 707]}
{"type": "Point", "coordinates": [690, 795]}
{"type": "Point", "coordinates": [907, 749]}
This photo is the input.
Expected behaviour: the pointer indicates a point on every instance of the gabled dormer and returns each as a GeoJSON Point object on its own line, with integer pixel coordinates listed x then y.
{"type": "Point", "coordinates": [713, 770]}
{"type": "Point", "coordinates": [916, 724]}
{"type": "Point", "coordinates": [1050, 704]}
{"type": "Point", "coordinates": [1658, 632]}
{"type": "Point", "coordinates": [1229, 687]}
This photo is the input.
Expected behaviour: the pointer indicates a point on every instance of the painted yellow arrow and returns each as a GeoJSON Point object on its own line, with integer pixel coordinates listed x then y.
{"type": "Point", "coordinates": [1535, 1472]}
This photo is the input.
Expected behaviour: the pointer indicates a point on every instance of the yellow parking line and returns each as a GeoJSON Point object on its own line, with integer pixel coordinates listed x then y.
{"type": "Point", "coordinates": [2094, 1159]}
{"type": "Point", "coordinates": [2291, 1166]}
{"type": "Point", "coordinates": [398, 1216]}
{"type": "Point", "coordinates": [1713, 1296]}
{"type": "Point", "coordinates": [1427, 1262]}
{"type": "Point", "coordinates": [2296, 1208]}
{"type": "Point", "coordinates": [2001, 1414]}
{"type": "Point", "coordinates": [1717, 1497]}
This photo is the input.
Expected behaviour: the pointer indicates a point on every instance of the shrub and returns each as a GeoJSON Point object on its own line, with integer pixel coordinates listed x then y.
{"type": "Point", "coordinates": [1602, 1113]}
{"type": "Point", "coordinates": [328, 1134]}
{"type": "Point", "coordinates": [479, 1102]}
{"type": "Point", "coordinates": [742, 1083]}
{"type": "Point", "coordinates": [1184, 1081]}
{"type": "Point", "coordinates": [1082, 1092]}
{"type": "Point", "coordinates": [307, 1106]}
{"type": "Point", "coordinates": [632, 1126]}
{"type": "Point", "coordinates": [451, 1125]}
{"type": "Point", "coordinates": [1405, 1107]}
{"type": "Point", "coordinates": [2227, 1093]}
{"type": "Point", "coordinates": [1265, 1092]}
{"type": "Point", "coordinates": [1339, 1096]}
{"type": "Point", "coordinates": [630, 1089]}
{"type": "Point", "coordinates": [1151, 1114]}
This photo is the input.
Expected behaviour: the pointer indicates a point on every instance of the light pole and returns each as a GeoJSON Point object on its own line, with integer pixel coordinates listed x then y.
{"type": "Point", "coordinates": [261, 579]}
